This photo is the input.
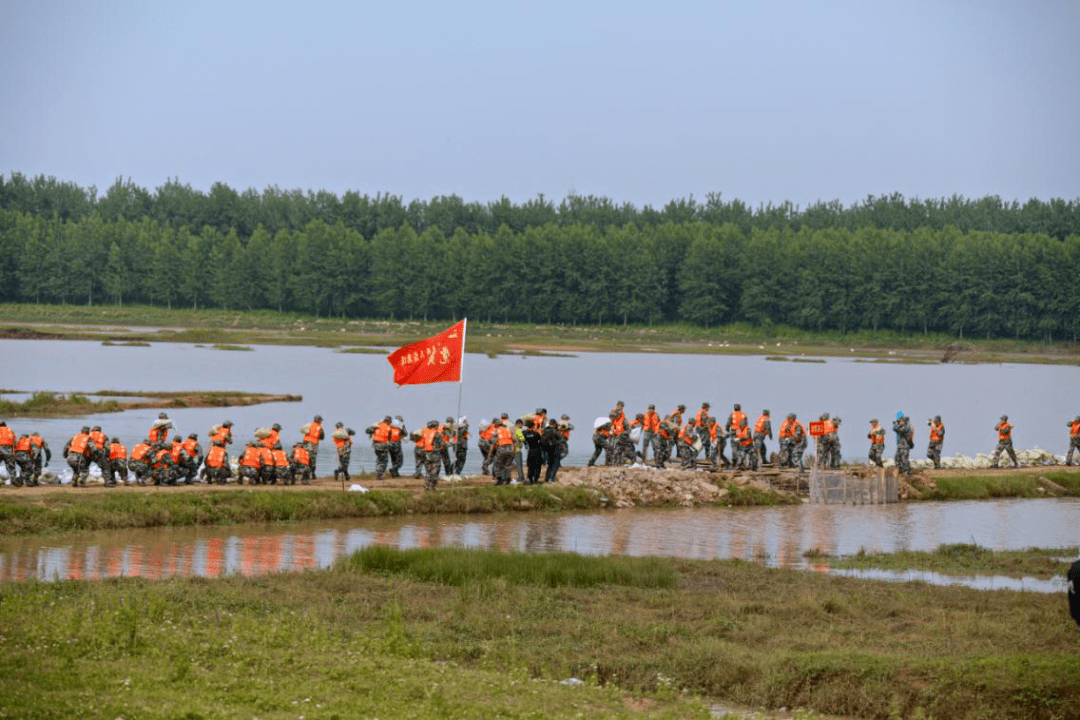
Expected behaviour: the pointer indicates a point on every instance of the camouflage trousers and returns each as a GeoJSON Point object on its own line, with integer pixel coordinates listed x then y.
{"type": "Point", "coordinates": [647, 441]}
{"type": "Point", "coordinates": [397, 459]}
{"type": "Point", "coordinates": [875, 454]}
{"type": "Point", "coordinates": [797, 452]}
{"type": "Point", "coordinates": [140, 470]}
{"type": "Point", "coordinates": [485, 452]}
{"type": "Point", "coordinates": [117, 467]}
{"type": "Point", "coordinates": [461, 452]}
{"type": "Point", "coordinates": [1074, 447]}
{"type": "Point", "coordinates": [933, 452]}
{"type": "Point", "coordinates": [716, 454]}
{"type": "Point", "coordinates": [299, 470]}
{"type": "Point", "coordinates": [26, 469]}
{"type": "Point", "coordinates": [220, 475]}
{"type": "Point", "coordinates": [598, 447]}
{"type": "Point", "coordinates": [432, 464]}
{"type": "Point", "coordinates": [448, 464]}
{"type": "Point", "coordinates": [505, 457]}
{"type": "Point", "coordinates": [748, 456]}
{"type": "Point", "coordinates": [164, 475]}
{"type": "Point", "coordinates": [343, 458]}
{"type": "Point", "coordinates": [1005, 446]}
{"type": "Point", "coordinates": [313, 455]}
{"type": "Point", "coordinates": [659, 450]}
{"type": "Point", "coordinates": [80, 469]}
{"type": "Point", "coordinates": [247, 472]}
{"type": "Point", "coordinates": [903, 458]}
{"type": "Point", "coordinates": [382, 458]}
{"type": "Point", "coordinates": [759, 446]}
{"type": "Point", "coordinates": [7, 457]}
{"type": "Point", "coordinates": [420, 458]}
{"type": "Point", "coordinates": [687, 455]}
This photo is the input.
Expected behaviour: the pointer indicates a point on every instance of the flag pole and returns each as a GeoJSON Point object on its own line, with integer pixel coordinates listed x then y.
{"type": "Point", "coordinates": [461, 375]}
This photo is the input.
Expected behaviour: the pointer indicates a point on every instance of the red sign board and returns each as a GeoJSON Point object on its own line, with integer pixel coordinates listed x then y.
{"type": "Point", "coordinates": [817, 428]}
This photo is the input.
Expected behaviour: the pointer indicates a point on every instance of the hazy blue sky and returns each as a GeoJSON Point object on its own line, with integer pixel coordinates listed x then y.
{"type": "Point", "coordinates": [640, 102]}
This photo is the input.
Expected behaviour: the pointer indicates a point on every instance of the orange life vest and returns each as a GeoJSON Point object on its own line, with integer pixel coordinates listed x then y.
{"type": "Point", "coordinates": [267, 456]}
{"type": "Point", "coordinates": [36, 439]}
{"type": "Point", "coordinates": [280, 460]}
{"type": "Point", "coordinates": [159, 459]}
{"type": "Point", "coordinates": [189, 446]}
{"type": "Point", "coordinates": [139, 451]}
{"type": "Point", "coordinates": [79, 443]}
{"type": "Point", "coordinates": [787, 428]}
{"type": "Point", "coordinates": [117, 451]}
{"type": "Point", "coordinates": [828, 426]}
{"type": "Point", "coordinates": [216, 457]}
{"type": "Point", "coordinates": [504, 436]}
{"type": "Point", "coordinates": [618, 424]}
{"type": "Point", "coordinates": [342, 442]}
{"type": "Point", "coordinates": [1074, 429]}
{"type": "Point", "coordinates": [743, 434]}
{"type": "Point", "coordinates": [800, 431]}
{"type": "Point", "coordinates": [99, 438]}
{"type": "Point", "coordinates": [382, 433]}
{"type": "Point", "coordinates": [176, 451]}
{"type": "Point", "coordinates": [489, 432]}
{"type": "Point", "coordinates": [224, 435]}
{"type": "Point", "coordinates": [538, 422]}
{"type": "Point", "coordinates": [737, 418]}
{"type": "Point", "coordinates": [427, 438]}
{"type": "Point", "coordinates": [676, 417]}
{"type": "Point", "coordinates": [652, 421]}
{"type": "Point", "coordinates": [314, 430]}
{"type": "Point", "coordinates": [158, 434]}
{"type": "Point", "coordinates": [701, 417]}
{"type": "Point", "coordinates": [877, 435]}
{"type": "Point", "coordinates": [300, 455]}
{"type": "Point", "coordinates": [713, 429]}
{"type": "Point", "coordinates": [396, 433]}
{"type": "Point", "coordinates": [7, 436]}
{"type": "Point", "coordinates": [687, 433]}
{"type": "Point", "coordinates": [252, 456]}
{"type": "Point", "coordinates": [1004, 431]}
{"type": "Point", "coordinates": [937, 433]}
{"type": "Point", "coordinates": [759, 426]}
{"type": "Point", "coordinates": [23, 445]}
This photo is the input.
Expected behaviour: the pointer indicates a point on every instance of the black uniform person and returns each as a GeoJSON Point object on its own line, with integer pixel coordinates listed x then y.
{"type": "Point", "coordinates": [535, 458]}
{"type": "Point", "coordinates": [1074, 591]}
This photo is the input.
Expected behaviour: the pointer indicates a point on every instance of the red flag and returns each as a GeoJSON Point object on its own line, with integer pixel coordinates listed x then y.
{"type": "Point", "coordinates": [437, 359]}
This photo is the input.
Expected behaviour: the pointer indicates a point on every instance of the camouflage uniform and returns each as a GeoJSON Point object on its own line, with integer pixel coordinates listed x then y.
{"type": "Point", "coordinates": [876, 448]}
{"type": "Point", "coordinates": [787, 442]}
{"type": "Point", "coordinates": [461, 447]}
{"type": "Point", "coordinates": [600, 442]}
{"type": "Point", "coordinates": [447, 431]}
{"type": "Point", "coordinates": [687, 452]}
{"type": "Point", "coordinates": [904, 442]}
{"type": "Point", "coordinates": [661, 451]}
{"type": "Point", "coordinates": [397, 455]}
{"type": "Point", "coordinates": [117, 466]}
{"type": "Point", "coordinates": [163, 468]}
{"type": "Point", "coordinates": [79, 462]}
{"type": "Point", "coordinates": [834, 442]}
{"type": "Point", "coordinates": [298, 469]}
{"type": "Point", "coordinates": [799, 448]}
{"type": "Point", "coordinates": [933, 451]}
{"type": "Point", "coordinates": [381, 449]}
{"type": "Point", "coordinates": [25, 460]}
{"type": "Point", "coordinates": [485, 445]}
{"type": "Point", "coordinates": [716, 453]}
{"type": "Point", "coordinates": [344, 452]}
{"type": "Point", "coordinates": [565, 428]}
{"type": "Point", "coordinates": [433, 459]}
{"type": "Point", "coordinates": [419, 456]}
{"type": "Point", "coordinates": [759, 437]}
{"type": "Point", "coordinates": [1005, 444]}
{"type": "Point", "coordinates": [7, 455]}
{"type": "Point", "coordinates": [1074, 439]}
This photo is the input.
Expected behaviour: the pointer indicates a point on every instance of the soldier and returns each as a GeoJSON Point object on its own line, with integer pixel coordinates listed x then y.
{"type": "Point", "coordinates": [41, 449]}
{"type": "Point", "coordinates": [162, 466]}
{"type": "Point", "coordinates": [118, 464]}
{"type": "Point", "coordinates": [397, 456]}
{"type": "Point", "coordinates": [24, 458]}
{"type": "Point", "coordinates": [717, 441]}
{"type": "Point", "coordinates": [222, 432]}
{"type": "Point", "coordinates": [1074, 439]}
{"type": "Point", "coordinates": [419, 456]}
{"type": "Point", "coordinates": [786, 437]}
{"type": "Point", "coordinates": [461, 444]}
{"type": "Point", "coordinates": [249, 465]}
{"type": "Point", "coordinates": [565, 427]}
{"type": "Point", "coordinates": [191, 458]}
{"type": "Point", "coordinates": [662, 441]}
{"type": "Point", "coordinates": [685, 441]}
{"type": "Point", "coordinates": [600, 438]}
{"type": "Point", "coordinates": [504, 449]}
{"type": "Point", "coordinates": [616, 442]}
{"type": "Point", "coordinates": [77, 453]}
{"type": "Point", "coordinates": [343, 445]}
{"type": "Point", "coordinates": [159, 431]}
{"type": "Point", "coordinates": [905, 440]}
{"type": "Point", "coordinates": [448, 431]}
{"type": "Point", "coordinates": [834, 442]}
{"type": "Point", "coordinates": [98, 453]}
{"type": "Point", "coordinates": [748, 458]}
{"type": "Point", "coordinates": [937, 438]}
{"type": "Point", "coordinates": [267, 475]}
{"type": "Point", "coordinates": [432, 441]}
{"type": "Point", "coordinates": [825, 451]}
{"type": "Point", "coordinates": [877, 443]}
{"type": "Point", "coordinates": [551, 443]}
{"type": "Point", "coordinates": [273, 437]}
{"type": "Point", "coordinates": [531, 440]}
{"type": "Point", "coordinates": [762, 429]}
{"type": "Point", "coordinates": [799, 447]}
{"type": "Point", "coordinates": [217, 463]}
{"type": "Point", "coordinates": [139, 463]}
{"type": "Point", "coordinates": [676, 421]}
{"type": "Point", "coordinates": [487, 435]}
{"type": "Point", "coordinates": [300, 465]}
{"type": "Point", "coordinates": [1005, 443]}
{"type": "Point", "coordinates": [649, 428]}
{"type": "Point", "coordinates": [7, 450]}
{"type": "Point", "coordinates": [312, 435]}
{"type": "Point", "coordinates": [734, 419]}
{"type": "Point", "coordinates": [282, 466]}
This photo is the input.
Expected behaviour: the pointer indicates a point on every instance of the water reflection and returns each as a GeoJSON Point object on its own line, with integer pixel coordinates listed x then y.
{"type": "Point", "coordinates": [777, 537]}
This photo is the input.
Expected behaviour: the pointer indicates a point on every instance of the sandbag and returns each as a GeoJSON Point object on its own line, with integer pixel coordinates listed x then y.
{"type": "Point", "coordinates": [262, 432]}
{"type": "Point", "coordinates": [635, 433]}
{"type": "Point", "coordinates": [340, 434]}
{"type": "Point", "coordinates": [305, 429]}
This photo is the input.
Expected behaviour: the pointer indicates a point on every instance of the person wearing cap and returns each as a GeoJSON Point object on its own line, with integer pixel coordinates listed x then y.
{"type": "Point", "coordinates": [250, 464]}
{"type": "Point", "coordinates": [786, 437]}
{"type": "Point", "coordinates": [565, 426]}
{"type": "Point", "coordinates": [937, 439]}
{"type": "Point", "coordinates": [799, 448]}
{"type": "Point", "coordinates": [485, 443]}
{"type": "Point", "coordinates": [876, 436]}
{"type": "Point", "coordinates": [24, 450]}
{"type": "Point", "coordinates": [1005, 443]}
{"type": "Point", "coordinates": [431, 437]}
{"type": "Point", "coordinates": [118, 464]}
{"type": "Point", "coordinates": [223, 433]}
{"type": "Point", "coordinates": [312, 436]}
{"type": "Point", "coordinates": [77, 454]}
{"type": "Point", "coordinates": [1074, 439]}
{"type": "Point", "coordinates": [7, 449]}
{"type": "Point", "coordinates": [41, 449]}
{"type": "Point", "coordinates": [600, 438]}
{"type": "Point", "coordinates": [139, 462]}
{"type": "Point", "coordinates": [380, 444]}
{"type": "Point", "coordinates": [461, 445]}
{"type": "Point", "coordinates": [551, 444]}
{"type": "Point", "coordinates": [649, 428]}
{"type": "Point", "coordinates": [216, 468]}
{"type": "Point", "coordinates": [397, 456]}
{"type": "Point", "coordinates": [762, 429]}
{"type": "Point", "coordinates": [419, 456]}
{"type": "Point", "coordinates": [300, 465]}
{"type": "Point", "coordinates": [905, 440]}
{"type": "Point", "coordinates": [343, 448]}
{"type": "Point", "coordinates": [717, 442]}
{"type": "Point", "coordinates": [448, 431]}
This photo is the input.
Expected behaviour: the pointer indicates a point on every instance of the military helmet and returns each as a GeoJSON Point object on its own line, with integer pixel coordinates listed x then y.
{"type": "Point", "coordinates": [3, 424]}
{"type": "Point", "coordinates": [85, 429]}
{"type": "Point", "coordinates": [836, 420]}
{"type": "Point", "coordinates": [765, 411]}
{"type": "Point", "coordinates": [539, 411]}
{"type": "Point", "coordinates": [705, 405]}
{"type": "Point", "coordinates": [680, 408]}
{"type": "Point", "coordinates": [937, 418]}
{"type": "Point", "coordinates": [449, 421]}
{"type": "Point", "coordinates": [564, 417]}
{"type": "Point", "coordinates": [791, 416]}
{"type": "Point", "coordinates": [385, 420]}
{"type": "Point", "coordinates": [227, 423]}
{"type": "Point", "coordinates": [114, 440]}
{"type": "Point", "coordinates": [318, 418]}
{"type": "Point", "coordinates": [96, 428]}
{"type": "Point", "coordinates": [433, 423]}
{"type": "Point", "coordinates": [275, 426]}
{"type": "Point", "coordinates": [1004, 417]}
{"type": "Point", "coordinates": [738, 406]}
{"type": "Point", "coordinates": [874, 421]}
{"type": "Point", "coordinates": [193, 436]}
{"type": "Point", "coordinates": [162, 416]}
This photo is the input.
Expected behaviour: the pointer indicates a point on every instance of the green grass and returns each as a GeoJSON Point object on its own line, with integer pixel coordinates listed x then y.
{"type": "Point", "coordinates": [1051, 483]}
{"type": "Point", "coordinates": [362, 351]}
{"type": "Point", "coordinates": [965, 558]}
{"type": "Point", "coordinates": [73, 404]}
{"type": "Point", "coordinates": [62, 510]}
{"type": "Point", "coordinates": [384, 637]}
{"type": "Point", "coordinates": [215, 326]}
{"type": "Point", "coordinates": [232, 348]}
{"type": "Point", "coordinates": [48, 403]}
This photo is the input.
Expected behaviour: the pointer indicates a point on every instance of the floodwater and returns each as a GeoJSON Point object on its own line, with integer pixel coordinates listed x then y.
{"type": "Point", "coordinates": [777, 537]}
{"type": "Point", "coordinates": [357, 389]}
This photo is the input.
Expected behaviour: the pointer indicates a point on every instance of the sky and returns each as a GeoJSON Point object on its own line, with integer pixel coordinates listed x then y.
{"type": "Point", "coordinates": [640, 102]}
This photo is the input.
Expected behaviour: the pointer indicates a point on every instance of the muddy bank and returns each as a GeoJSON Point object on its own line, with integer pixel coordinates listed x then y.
{"type": "Point", "coordinates": [49, 404]}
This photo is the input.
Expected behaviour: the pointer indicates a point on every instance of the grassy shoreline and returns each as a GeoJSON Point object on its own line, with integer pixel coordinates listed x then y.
{"type": "Point", "coordinates": [466, 633]}
{"type": "Point", "coordinates": [142, 324]}
{"type": "Point", "coordinates": [963, 559]}
{"type": "Point", "coordinates": [54, 404]}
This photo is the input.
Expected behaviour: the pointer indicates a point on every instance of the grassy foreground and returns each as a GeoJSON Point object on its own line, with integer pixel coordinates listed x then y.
{"type": "Point", "coordinates": [224, 327]}
{"type": "Point", "coordinates": [991, 484]}
{"type": "Point", "coordinates": [965, 558]}
{"type": "Point", "coordinates": [457, 633]}
{"type": "Point", "coordinates": [67, 509]}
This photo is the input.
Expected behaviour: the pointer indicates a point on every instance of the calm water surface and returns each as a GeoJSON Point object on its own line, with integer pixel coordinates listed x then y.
{"type": "Point", "coordinates": [774, 536]}
{"type": "Point", "coordinates": [358, 390]}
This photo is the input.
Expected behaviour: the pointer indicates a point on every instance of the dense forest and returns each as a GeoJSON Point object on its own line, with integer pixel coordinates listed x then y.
{"type": "Point", "coordinates": [968, 267]}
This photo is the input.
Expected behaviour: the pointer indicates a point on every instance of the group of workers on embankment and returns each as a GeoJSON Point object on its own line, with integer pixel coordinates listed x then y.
{"type": "Point", "coordinates": [166, 457]}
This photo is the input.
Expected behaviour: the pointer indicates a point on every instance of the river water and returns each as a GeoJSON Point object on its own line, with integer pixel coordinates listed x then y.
{"type": "Point", "coordinates": [775, 536]}
{"type": "Point", "coordinates": [357, 389]}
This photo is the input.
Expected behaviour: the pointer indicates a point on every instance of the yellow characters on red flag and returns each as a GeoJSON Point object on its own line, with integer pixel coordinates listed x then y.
{"type": "Point", "coordinates": [437, 359]}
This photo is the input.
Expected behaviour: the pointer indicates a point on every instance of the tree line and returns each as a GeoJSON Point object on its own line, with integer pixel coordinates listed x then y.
{"type": "Point", "coordinates": [968, 283]}
{"type": "Point", "coordinates": [178, 205]}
